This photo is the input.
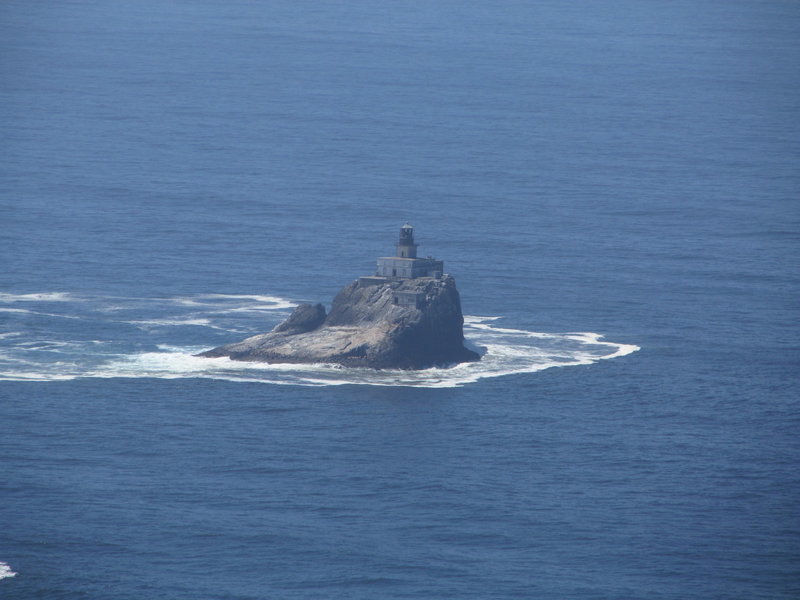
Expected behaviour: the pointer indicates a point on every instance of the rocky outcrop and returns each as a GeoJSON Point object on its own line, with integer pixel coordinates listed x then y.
{"type": "Point", "coordinates": [403, 324]}
{"type": "Point", "coordinates": [306, 317]}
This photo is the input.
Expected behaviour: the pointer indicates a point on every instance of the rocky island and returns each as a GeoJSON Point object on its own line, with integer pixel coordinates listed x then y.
{"type": "Point", "coordinates": [406, 316]}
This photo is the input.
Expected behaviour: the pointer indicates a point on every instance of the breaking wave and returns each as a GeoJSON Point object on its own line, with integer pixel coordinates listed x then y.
{"type": "Point", "coordinates": [5, 571]}
{"type": "Point", "coordinates": [158, 338]}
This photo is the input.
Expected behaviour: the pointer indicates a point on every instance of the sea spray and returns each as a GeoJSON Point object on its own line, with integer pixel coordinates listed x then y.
{"type": "Point", "coordinates": [5, 571]}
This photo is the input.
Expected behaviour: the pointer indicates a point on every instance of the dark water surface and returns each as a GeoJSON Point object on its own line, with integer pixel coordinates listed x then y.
{"type": "Point", "coordinates": [614, 186]}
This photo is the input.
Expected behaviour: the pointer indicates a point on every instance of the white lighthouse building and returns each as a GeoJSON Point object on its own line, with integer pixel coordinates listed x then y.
{"type": "Point", "coordinates": [405, 264]}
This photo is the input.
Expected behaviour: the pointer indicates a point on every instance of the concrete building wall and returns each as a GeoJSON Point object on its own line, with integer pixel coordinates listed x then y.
{"type": "Point", "coordinates": [406, 250]}
{"type": "Point", "coordinates": [427, 268]}
{"type": "Point", "coordinates": [409, 267]}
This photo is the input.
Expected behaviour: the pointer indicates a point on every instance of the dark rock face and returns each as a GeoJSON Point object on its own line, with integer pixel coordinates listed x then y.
{"type": "Point", "coordinates": [306, 317]}
{"type": "Point", "coordinates": [401, 324]}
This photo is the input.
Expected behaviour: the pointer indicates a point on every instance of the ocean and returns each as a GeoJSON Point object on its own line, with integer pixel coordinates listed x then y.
{"type": "Point", "coordinates": [613, 185]}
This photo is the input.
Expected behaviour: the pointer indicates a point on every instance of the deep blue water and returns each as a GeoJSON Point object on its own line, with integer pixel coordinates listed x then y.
{"type": "Point", "coordinates": [176, 175]}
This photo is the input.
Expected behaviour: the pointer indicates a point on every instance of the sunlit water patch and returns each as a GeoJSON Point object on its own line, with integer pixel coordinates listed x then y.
{"type": "Point", "coordinates": [107, 337]}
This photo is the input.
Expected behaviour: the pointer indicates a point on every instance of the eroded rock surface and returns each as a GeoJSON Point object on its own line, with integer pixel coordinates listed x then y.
{"type": "Point", "coordinates": [403, 323]}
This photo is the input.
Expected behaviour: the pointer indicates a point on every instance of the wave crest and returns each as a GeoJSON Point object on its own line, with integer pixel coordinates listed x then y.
{"type": "Point", "coordinates": [5, 571]}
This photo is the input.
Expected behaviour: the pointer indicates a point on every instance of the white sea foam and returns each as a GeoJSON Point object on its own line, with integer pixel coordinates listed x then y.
{"type": "Point", "coordinates": [38, 376]}
{"type": "Point", "coordinates": [506, 350]}
{"type": "Point", "coordinates": [150, 324]}
{"type": "Point", "coordinates": [256, 297]}
{"type": "Point", "coordinates": [36, 312]}
{"type": "Point", "coordinates": [5, 571]}
{"type": "Point", "coordinates": [45, 344]}
{"type": "Point", "coordinates": [623, 350]}
{"type": "Point", "coordinates": [173, 322]}
{"type": "Point", "coordinates": [246, 309]}
{"type": "Point", "coordinates": [236, 302]}
{"type": "Point", "coordinates": [469, 319]}
{"type": "Point", "coordinates": [43, 297]}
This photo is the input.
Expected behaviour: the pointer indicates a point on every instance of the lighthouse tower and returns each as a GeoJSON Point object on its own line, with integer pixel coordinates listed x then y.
{"type": "Point", "coordinates": [405, 264]}
{"type": "Point", "coordinates": [406, 248]}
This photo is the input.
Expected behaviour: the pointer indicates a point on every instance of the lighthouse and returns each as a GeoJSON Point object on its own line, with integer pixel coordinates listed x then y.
{"type": "Point", "coordinates": [405, 264]}
{"type": "Point", "coordinates": [406, 248]}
